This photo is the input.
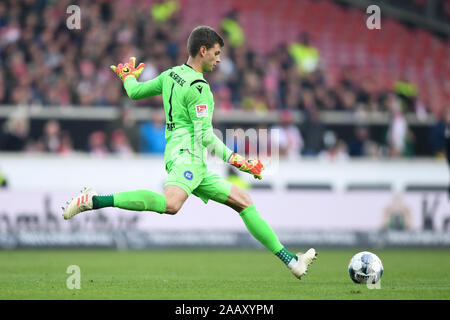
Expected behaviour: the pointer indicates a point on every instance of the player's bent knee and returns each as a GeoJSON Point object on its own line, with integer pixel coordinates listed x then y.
{"type": "Point", "coordinates": [173, 208]}
{"type": "Point", "coordinates": [243, 201]}
{"type": "Point", "coordinates": [238, 199]}
{"type": "Point", "coordinates": [246, 201]}
{"type": "Point", "coordinates": [175, 197]}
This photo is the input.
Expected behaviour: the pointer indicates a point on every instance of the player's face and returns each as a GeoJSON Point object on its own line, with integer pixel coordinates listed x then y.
{"type": "Point", "coordinates": [211, 58]}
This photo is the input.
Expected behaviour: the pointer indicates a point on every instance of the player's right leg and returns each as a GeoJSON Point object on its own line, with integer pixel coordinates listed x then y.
{"type": "Point", "coordinates": [240, 201]}
{"type": "Point", "coordinates": [138, 200]}
{"type": "Point", "coordinates": [218, 189]}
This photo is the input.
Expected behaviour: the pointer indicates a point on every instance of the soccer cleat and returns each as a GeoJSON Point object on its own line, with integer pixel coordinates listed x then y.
{"type": "Point", "coordinates": [81, 203]}
{"type": "Point", "coordinates": [304, 260]}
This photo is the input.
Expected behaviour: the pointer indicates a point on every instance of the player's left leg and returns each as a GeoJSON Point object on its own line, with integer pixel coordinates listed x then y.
{"type": "Point", "coordinates": [183, 177]}
{"type": "Point", "coordinates": [137, 200]}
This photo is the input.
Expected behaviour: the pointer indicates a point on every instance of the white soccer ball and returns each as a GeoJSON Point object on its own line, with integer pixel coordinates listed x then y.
{"type": "Point", "coordinates": [365, 267]}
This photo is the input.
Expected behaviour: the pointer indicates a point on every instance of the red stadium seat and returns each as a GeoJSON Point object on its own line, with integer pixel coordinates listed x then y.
{"type": "Point", "coordinates": [340, 35]}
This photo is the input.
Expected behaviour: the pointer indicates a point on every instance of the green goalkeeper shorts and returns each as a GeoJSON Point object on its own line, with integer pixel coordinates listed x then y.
{"type": "Point", "coordinates": [195, 178]}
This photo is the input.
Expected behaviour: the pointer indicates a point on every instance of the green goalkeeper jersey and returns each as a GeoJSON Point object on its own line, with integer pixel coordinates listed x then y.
{"type": "Point", "coordinates": [189, 106]}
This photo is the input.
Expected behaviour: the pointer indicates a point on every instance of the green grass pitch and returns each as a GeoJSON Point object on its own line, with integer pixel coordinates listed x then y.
{"type": "Point", "coordinates": [217, 274]}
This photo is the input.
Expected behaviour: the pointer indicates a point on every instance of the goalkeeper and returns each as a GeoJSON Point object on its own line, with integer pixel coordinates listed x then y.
{"type": "Point", "coordinates": [189, 105]}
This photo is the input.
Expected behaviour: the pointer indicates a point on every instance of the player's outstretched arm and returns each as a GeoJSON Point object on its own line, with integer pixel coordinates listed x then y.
{"type": "Point", "coordinates": [129, 74]}
{"type": "Point", "coordinates": [252, 166]}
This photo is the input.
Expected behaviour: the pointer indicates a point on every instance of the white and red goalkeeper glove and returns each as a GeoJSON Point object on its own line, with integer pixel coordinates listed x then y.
{"type": "Point", "coordinates": [253, 166]}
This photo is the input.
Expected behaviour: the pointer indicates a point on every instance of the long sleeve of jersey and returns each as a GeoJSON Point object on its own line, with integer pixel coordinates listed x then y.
{"type": "Point", "coordinates": [140, 90]}
{"type": "Point", "coordinates": [201, 107]}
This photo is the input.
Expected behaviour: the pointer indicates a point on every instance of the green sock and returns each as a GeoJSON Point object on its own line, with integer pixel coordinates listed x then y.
{"type": "Point", "coordinates": [262, 232]}
{"type": "Point", "coordinates": [138, 200]}
{"type": "Point", "coordinates": [99, 202]}
{"type": "Point", "coordinates": [286, 256]}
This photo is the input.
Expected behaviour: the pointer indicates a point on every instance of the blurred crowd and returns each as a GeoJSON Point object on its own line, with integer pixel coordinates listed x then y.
{"type": "Point", "coordinates": [289, 139]}
{"type": "Point", "coordinates": [433, 10]}
{"type": "Point", "coordinates": [44, 63]}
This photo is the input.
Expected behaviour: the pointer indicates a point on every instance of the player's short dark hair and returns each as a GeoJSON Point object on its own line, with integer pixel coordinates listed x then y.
{"type": "Point", "coordinates": [203, 36]}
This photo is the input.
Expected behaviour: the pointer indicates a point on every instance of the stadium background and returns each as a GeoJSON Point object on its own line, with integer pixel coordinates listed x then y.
{"type": "Point", "coordinates": [361, 114]}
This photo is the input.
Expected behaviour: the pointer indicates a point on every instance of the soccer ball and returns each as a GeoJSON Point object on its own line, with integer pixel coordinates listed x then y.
{"type": "Point", "coordinates": [365, 267]}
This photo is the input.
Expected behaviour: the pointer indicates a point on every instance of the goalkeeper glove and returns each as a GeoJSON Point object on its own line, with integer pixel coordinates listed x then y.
{"type": "Point", "coordinates": [128, 69]}
{"type": "Point", "coordinates": [252, 166]}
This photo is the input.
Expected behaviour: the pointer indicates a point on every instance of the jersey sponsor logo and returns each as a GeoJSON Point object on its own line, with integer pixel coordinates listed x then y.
{"type": "Point", "coordinates": [177, 78]}
{"type": "Point", "coordinates": [202, 110]}
{"type": "Point", "coordinates": [188, 175]}
{"type": "Point", "coordinates": [199, 88]}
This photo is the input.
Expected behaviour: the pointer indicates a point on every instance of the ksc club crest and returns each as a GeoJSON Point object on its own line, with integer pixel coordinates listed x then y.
{"type": "Point", "coordinates": [188, 175]}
